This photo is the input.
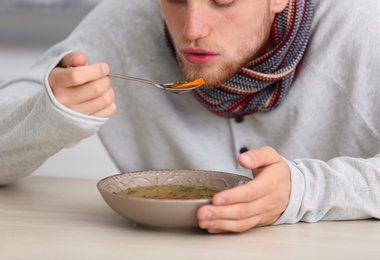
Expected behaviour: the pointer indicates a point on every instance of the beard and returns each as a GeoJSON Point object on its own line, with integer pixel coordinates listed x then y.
{"type": "Point", "coordinates": [217, 74]}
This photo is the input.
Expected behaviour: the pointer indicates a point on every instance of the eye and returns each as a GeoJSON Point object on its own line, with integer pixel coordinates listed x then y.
{"type": "Point", "coordinates": [224, 3]}
{"type": "Point", "coordinates": [176, 1]}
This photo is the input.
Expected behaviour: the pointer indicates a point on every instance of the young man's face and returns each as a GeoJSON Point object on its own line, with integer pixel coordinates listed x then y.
{"type": "Point", "coordinates": [215, 38]}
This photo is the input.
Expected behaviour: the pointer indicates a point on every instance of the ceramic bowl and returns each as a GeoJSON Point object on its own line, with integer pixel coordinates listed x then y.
{"type": "Point", "coordinates": [163, 213]}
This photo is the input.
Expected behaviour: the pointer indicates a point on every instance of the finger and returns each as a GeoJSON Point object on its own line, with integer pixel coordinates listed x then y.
{"type": "Point", "coordinates": [73, 59]}
{"type": "Point", "coordinates": [109, 110]}
{"type": "Point", "coordinates": [261, 157]}
{"type": "Point", "coordinates": [77, 95]}
{"type": "Point", "coordinates": [240, 217]}
{"type": "Point", "coordinates": [267, 181]}
{"type": "Point", "coordinates": [73, 77]}
{"type": "Point", "coordinates": [223, 226]}
{"type": "Point", "coordinates": [95, 105]}
{"type": "Point", "coordinates": [272, 205]}
{"type": "Point", "coordinates": [92, 106]}
{"type": "Point", "coordinates": [106, 112]}
{"type": "Point", "coordinates": [233, 211]}
{"type": "Point", "coordinates": [267, 216]}
{"type": "Point", "coordinates": [250, 191]}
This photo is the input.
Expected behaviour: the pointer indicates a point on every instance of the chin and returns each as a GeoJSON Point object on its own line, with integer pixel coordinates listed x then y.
{"type": "Point", "coordinates": [214, 76]}
{"type": "Point", "coordinates": [213, 80]}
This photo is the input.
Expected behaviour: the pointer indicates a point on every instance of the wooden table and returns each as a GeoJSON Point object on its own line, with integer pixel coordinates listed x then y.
{"type": "Point", "coordinates": [55, 218]}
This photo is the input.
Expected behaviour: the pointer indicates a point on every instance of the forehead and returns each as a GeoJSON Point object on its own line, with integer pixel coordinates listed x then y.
{"type": "Point", "coordinates": [224, 7]}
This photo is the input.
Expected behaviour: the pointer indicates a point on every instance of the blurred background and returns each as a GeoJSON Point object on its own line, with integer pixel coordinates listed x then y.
{"type": "Point", "coordinates": [27, 29]}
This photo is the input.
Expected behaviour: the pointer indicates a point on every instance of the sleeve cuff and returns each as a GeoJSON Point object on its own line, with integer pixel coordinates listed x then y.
{"type": "Point", "coordinates": [290, 215]}
{"type": "Point", "coordinates": [61, 108]}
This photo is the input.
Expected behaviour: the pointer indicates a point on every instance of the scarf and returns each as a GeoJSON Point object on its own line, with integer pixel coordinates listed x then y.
{"type": "Point", "coordinates": [262, 84]}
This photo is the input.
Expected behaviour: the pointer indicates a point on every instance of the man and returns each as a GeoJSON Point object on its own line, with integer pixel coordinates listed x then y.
{"type": "Point", "coordinates": [267, 102]}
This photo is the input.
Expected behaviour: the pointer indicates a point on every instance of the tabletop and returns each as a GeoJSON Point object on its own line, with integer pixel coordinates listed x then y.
{"type": "Point", "coordinates": [66, 218]}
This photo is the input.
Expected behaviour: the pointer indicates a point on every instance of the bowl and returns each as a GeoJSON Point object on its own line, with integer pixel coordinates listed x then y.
{"type": "Point", "coordinates": [163, 213]}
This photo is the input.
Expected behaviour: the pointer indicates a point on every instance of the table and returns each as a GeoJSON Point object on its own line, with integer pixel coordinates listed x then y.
{"type": "Point", "coordinates": [66, 218]}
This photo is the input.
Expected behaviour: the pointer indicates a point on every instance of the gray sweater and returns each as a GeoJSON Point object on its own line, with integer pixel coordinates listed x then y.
{"type": "Point", "coordinates": [327, 129]}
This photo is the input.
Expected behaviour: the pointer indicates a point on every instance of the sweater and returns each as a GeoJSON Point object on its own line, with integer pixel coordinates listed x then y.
{"type": "Point", "coordinates": [327, 129]}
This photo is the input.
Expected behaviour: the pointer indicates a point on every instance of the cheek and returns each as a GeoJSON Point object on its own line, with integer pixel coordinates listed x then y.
{"type": "Point", "coordinates": [175, 30]}
{"type": "Point", "coordinates": [237, 42]}
{"type": "Point", "coordinates": [244, 31]}
{"type": "Point", "coordinates": [173, 19]}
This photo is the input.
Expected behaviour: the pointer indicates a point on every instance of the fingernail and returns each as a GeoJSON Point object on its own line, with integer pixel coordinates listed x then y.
{"type": "Point", "coordinates": [246, 158]}
{"type": "Point", "coordinates": [208, 224]}
{"type": "Point", "coordinates": [220, 201]}
{"type": "Point", "coordinates": [213, 231]}
{"type": "Point", "coordinates": [106, 69]}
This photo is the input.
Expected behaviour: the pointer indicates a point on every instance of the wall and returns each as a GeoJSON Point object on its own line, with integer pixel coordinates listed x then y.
{"type": "Point", "coordinates": [27, 29]}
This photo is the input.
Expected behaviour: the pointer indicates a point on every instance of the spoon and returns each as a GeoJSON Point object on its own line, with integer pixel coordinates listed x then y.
{"type": "Point", "coordinates": [175, 87]}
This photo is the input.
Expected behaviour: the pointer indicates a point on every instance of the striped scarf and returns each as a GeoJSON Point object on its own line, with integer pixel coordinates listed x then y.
{"type": "Point", "coordinates": [262, 84]}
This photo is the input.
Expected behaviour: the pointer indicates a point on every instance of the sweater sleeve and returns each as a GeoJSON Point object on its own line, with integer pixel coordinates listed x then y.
{"type": "Point", "coordinates": [343, 188]}
{"type": "Point", "coordinates": [33, 125]}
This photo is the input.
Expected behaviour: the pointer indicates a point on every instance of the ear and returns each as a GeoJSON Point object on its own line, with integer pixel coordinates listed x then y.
{"type": "Point", "coordinates": [279, 5]}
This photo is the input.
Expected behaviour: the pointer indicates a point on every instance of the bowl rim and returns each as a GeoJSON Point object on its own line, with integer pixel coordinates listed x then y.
{"type": "Point", "coordinates": [209, 200]}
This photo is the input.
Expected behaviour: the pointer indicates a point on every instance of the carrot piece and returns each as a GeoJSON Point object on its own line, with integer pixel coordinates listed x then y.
{"type": "Point", "coordinates": [190, 84]}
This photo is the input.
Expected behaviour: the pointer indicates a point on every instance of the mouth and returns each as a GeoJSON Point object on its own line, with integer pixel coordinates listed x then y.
{"type": "Point", "coordinates": [198, 56]}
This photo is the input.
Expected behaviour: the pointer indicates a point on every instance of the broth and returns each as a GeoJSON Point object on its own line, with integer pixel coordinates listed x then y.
{"type": "Point", "coordinates": [172, 192]}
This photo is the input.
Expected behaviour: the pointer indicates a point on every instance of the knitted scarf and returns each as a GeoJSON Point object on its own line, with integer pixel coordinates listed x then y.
{"type": "Point", "coordinates": [262, 84]}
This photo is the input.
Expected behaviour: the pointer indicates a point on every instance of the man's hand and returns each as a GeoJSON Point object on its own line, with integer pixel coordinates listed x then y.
{"type": "Point", "coordinates": [84, 88]}
{"type": "Point", "coordinates": [259, 202]}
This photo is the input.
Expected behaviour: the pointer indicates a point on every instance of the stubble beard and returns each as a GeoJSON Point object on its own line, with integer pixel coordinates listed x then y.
{"type": "Point", "coordinates": [217, 76]}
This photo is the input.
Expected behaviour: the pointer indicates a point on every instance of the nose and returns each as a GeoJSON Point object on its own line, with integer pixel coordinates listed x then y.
{"type": "Point", "coordinates": [196, 25]}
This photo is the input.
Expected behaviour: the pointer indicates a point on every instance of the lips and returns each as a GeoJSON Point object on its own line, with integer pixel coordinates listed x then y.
{"type": "Point", "coordinates": [198, 56]}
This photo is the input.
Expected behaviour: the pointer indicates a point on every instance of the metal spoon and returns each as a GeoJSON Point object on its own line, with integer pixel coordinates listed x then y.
{"type": "Point", "coordinates": [166, 86]}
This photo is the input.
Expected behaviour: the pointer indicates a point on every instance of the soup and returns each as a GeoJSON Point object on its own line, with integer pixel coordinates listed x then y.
{"type": "Point", "coordinates": [172, 192]}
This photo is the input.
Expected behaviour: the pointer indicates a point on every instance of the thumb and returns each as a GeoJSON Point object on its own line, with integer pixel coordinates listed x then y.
{"type": "Point", "coordinates": [262, 157]}
{"type": "Point", "coordinates": [73, 59]}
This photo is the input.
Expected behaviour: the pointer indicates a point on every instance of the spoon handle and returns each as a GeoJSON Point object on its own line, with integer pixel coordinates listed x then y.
{"type": "Point", "coordinates": [132, 78]}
